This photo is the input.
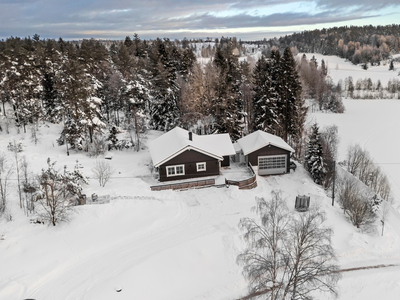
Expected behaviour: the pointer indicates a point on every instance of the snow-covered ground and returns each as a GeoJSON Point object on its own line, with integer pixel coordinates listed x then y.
{"type": "Point", "coordinates": [340, 69]}
{"type": "Point", "coordinates": [373, 124]}
{"type": "Point", "coordinates": [183, 245]}
{"type": "Point", "coordinates": [175, 245]}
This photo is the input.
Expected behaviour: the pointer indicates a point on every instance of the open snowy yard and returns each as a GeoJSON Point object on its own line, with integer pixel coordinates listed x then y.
{"type": "Point", "coordinates": [183, 245]}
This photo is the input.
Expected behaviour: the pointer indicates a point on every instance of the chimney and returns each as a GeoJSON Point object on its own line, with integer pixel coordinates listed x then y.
{"type": "Point", "coordinates": [190, 136]}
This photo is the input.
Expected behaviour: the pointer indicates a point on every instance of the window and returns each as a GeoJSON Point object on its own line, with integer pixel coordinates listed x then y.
{"type": "Point", "coordinates": [201, 166]}
{"type": "Point", "coordinates": [175, 170]}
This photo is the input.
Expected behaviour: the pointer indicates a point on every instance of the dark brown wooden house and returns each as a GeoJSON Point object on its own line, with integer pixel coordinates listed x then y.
{"type": "Point", "coordinates": [268, 152]}
{"type": "Point", "coordinates": [180, 154]}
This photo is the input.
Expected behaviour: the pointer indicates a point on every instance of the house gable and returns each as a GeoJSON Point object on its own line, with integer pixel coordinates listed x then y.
{"type": "Point", "coordinates": [269, 151]}
{"type": "Point", "coordinates": [258, 140]}
{"type": "Point", "coordinates": [178, 140]}
{"type": "Point", "coordinates": [187, 148]}
{"type": "Point", "coordinates": [190, 160]}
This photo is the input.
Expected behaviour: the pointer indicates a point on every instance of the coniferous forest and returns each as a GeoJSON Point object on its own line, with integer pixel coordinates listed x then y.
{"type": "Point", "coordinates": [94, 90]}
{"type": "Point", "coordinates": [358, 44]}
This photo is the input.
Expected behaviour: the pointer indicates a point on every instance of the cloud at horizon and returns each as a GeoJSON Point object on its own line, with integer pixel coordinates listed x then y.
{"type": "Point", "coordinates": [252, 19]}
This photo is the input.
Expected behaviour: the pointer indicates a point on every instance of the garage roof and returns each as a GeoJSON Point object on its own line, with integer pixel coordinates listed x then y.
{"type": "Point", "coordinates": [259, 139]}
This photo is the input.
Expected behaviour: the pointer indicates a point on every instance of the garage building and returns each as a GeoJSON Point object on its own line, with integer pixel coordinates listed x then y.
{"type": "Point", "coordinates": [270, 153]}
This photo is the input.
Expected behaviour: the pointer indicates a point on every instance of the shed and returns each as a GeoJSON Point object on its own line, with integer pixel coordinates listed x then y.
{"type": "Point", "coordinates": [267, 151]}
{"type": "Point", "coordinates": [181, 154]}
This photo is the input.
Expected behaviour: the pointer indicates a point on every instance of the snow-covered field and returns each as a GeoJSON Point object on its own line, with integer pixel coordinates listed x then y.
{"type": "Point", "coordinates": [374, 125]}
{"type": "Point", "coordinates": [183, 245]}
{"type": "Point", "coordinates": [340, 69]}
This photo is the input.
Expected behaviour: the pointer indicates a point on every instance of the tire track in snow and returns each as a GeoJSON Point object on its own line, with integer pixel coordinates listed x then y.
{"type": "Point", "coordinates": [76, 279]}
{"type": "Point", "coordinates": [366, 139]}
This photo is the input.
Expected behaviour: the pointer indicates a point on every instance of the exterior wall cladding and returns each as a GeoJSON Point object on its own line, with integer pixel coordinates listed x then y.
{"type": "Point", "coordinates": [189, 158]}
{"type": "Point", "coordinates": [266, 151]}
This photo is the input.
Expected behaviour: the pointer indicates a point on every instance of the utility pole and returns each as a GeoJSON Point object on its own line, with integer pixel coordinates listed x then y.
{"type": "Point", "coordinates": [333, 185]}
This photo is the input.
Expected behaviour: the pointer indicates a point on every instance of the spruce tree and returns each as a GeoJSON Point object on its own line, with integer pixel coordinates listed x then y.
{"type": "Point", "coordinates": [165, 112]}
{"type": "Point", "coordinates": [264, 97]}
{"type": "Point", "coordinates": [49, 98]}
{"type": "Point", "coordinates": [313, 160]}
{"type": "Point", "coordinates": [292, 110]}
{"type": "Point", "coordinates": [277, 76]}
{"type": "Point", "coordinates": [391, 66]}
{"type": "Point", "coordinates": [80, 108]}
{"type": "Point", "coordinates": [227, 104]}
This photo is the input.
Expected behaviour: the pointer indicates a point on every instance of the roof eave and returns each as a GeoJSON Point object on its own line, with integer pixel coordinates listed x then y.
{"type": "Point", "coordinates": [188, 147]}
{"type": "Point", "coordinates": [266, 145]}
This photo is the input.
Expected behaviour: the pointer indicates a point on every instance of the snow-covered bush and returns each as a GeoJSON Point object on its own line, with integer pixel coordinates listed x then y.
{"type": "Point", "coordinates": [123, 144]}
{"type": "Point", "coordinates": [15, 147]}
{"type": "Point", "coordinates": [55, 191]}
{"type": "Point", "coordinates": [97, 147]}
{"type": "Point", "coordinates": [112, 137]}
{"type": "Point", "coordinates": [113, 143]}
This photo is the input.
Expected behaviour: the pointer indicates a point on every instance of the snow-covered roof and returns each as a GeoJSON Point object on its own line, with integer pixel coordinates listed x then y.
{"type": "Point", "coordinates": [260, 139]}
{"type": "Point", "coordinates": [237, 147]}
{"type": "Point", "coordinates": [176, 141]}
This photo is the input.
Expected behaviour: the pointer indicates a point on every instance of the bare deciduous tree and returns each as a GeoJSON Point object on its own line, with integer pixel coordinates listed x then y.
{"type": "Point", "coordinates": [27, 186]}
{"type": "Point", "coordinates": [310, 256]}
{"type": "Point", "coordinates": [361, 165]}
{"type": "Point", "coordinates": [353, 198]}
{"type": "Point", "coordinates": [384, 213]}
{"type": "Point", "coordinates": [55, 204]}
{"type": "Point", "coordinates": [355, 157]}
{"type": "Point", "coordinates": [263, 260]}
{"type": "Point", "coordinates": [6, 171]}
{"type": "Point", "coordinates": [287, 256]}
{"type": "Point", "coordinates": [16, 149]}
{"type": "Point", "coordinates": [102, 171]}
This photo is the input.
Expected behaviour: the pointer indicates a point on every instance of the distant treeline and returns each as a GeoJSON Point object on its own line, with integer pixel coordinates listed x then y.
{"type": "Point", "coordinates": [358, 44]}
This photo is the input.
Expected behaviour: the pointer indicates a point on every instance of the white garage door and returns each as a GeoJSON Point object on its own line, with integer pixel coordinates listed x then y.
{"type": "Point", "coordinates": [268, 165]}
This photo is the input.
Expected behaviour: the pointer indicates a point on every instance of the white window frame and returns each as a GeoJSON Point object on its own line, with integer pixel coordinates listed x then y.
{"type": "Point", "coordinates": [201, 164]}
{"type": "Point", "coordinates": [175, 170]}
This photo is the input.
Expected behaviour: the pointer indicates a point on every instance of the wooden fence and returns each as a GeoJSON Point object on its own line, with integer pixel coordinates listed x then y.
{"type": "Point", "coordinates": [103, 199]}
{"type": "Point", "coordinates": [246, 184]}
{"type": "Point", "coordinates": [184, 185]}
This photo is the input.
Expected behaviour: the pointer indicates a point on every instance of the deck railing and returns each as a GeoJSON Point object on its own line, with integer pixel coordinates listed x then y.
{"type": "Point", "coordinates": [184, 185]}
{"type": "Point", "coordinates": [245, 184]}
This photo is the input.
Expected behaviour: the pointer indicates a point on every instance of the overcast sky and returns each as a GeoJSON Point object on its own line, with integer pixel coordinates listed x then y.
{"type": "Point", "coordinates": [245, 19]}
